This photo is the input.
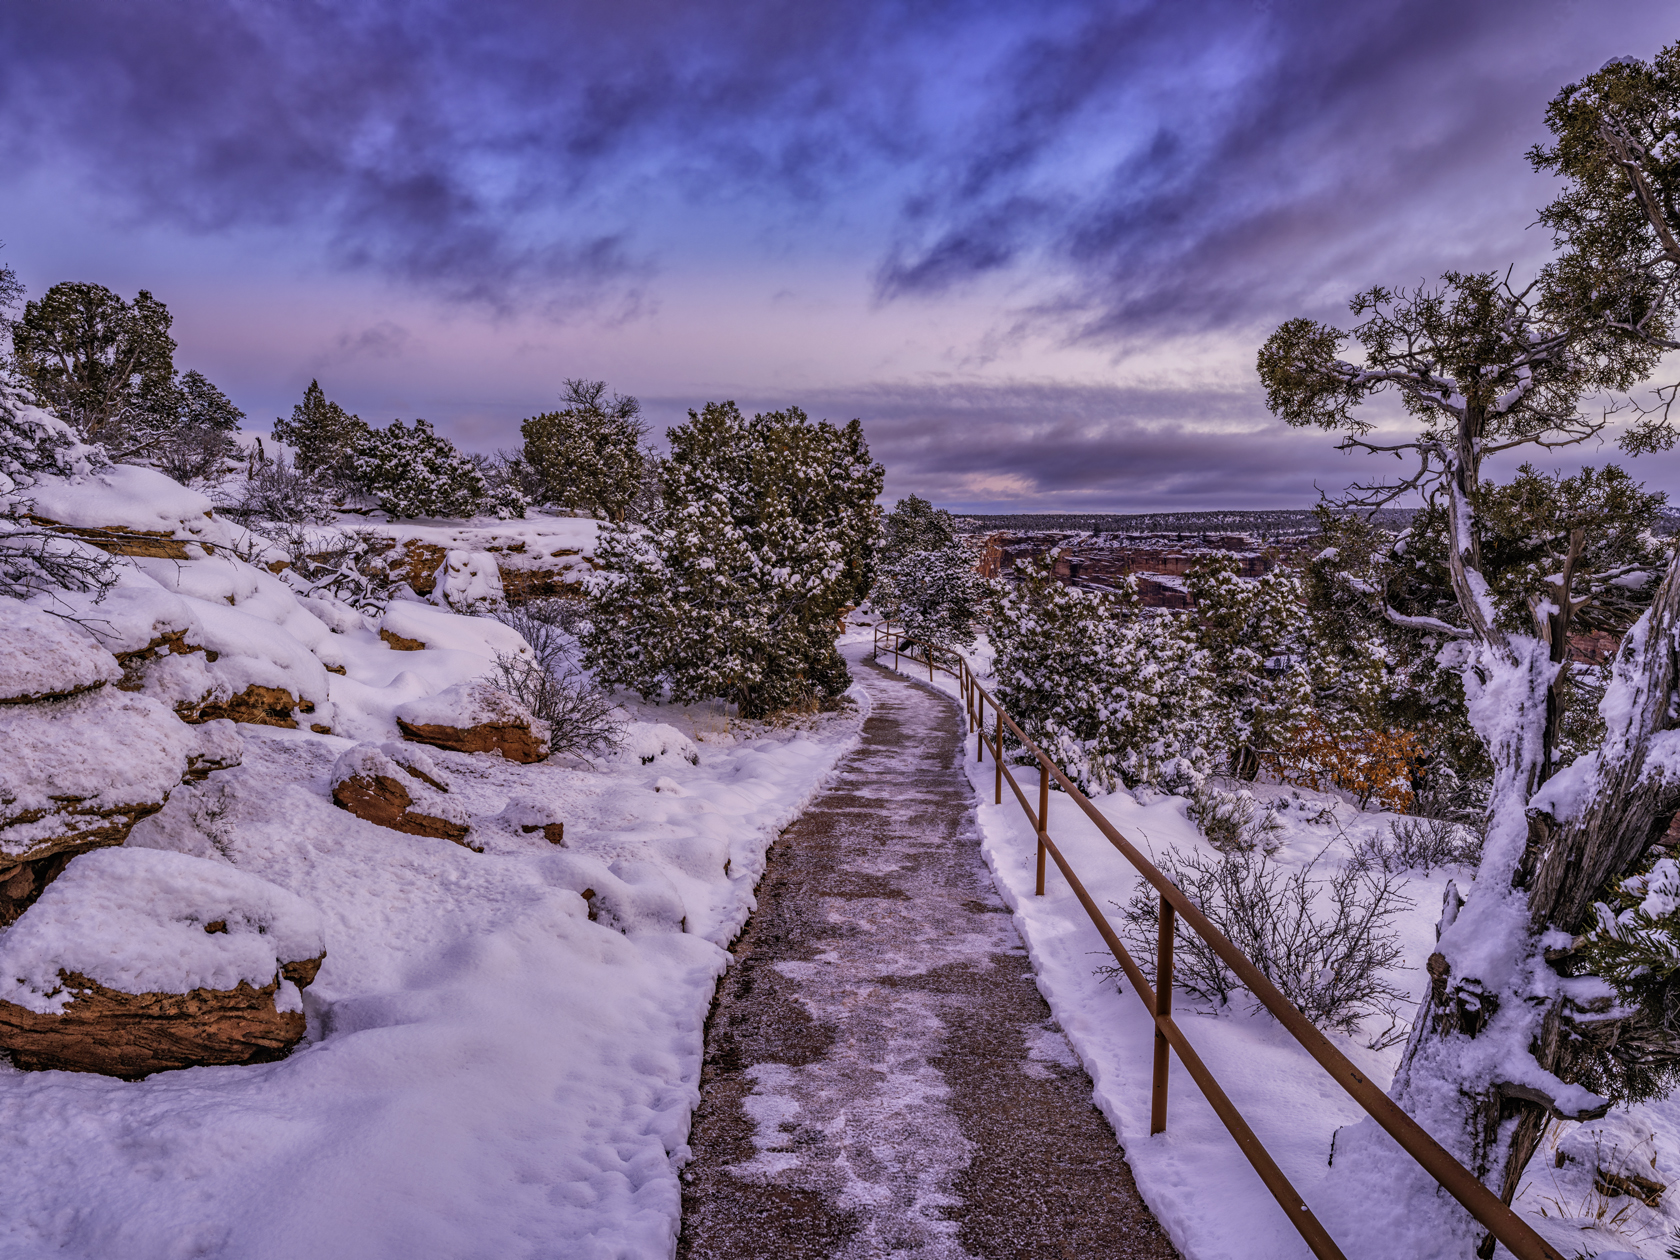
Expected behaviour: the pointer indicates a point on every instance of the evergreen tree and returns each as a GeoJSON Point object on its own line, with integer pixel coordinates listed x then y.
{"type": "Point", "coordinates": [914, 524]}
{"type": "Point", "coordinates": [762, 534]}
{"type": "Point", "coordinates": [937, 595]}
{"type": "Point", "coordinates": [588, 454]}
{"type": "Point", "coordinates": [413, 472]}
{"type": "Point", "coordinates": [321, 432]}
{"type": "Point", "coordinates": [103, 365]}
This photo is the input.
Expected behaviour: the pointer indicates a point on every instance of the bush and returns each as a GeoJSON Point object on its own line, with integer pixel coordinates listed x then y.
{"type": "Point", "coordinates": [937, 595]}
{"type": "Point", "coordinates": [551, 683]}
{"type": "Point", "coordinates": [1331, 964]}
{"type": "Point", "coordinates": [347, 565]}
{"type": "Point", "coordinates": [1422, 844]}
{"type": "Point", "coordinates": [588, 455]}
{"type": "Point", "coordinates": [276, 492]}
{"type": "Point", "coordinates": [1234, 820]}
{"type": "Point", "coordinates": [321, 432]}
{"type": "Point", "coordinates": [414, 472]}
{"type": "Point", "coordinates": [34, 444]}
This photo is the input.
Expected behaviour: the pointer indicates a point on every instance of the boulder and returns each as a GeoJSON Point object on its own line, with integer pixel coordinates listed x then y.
{"type": "Point", "coordinates": [373, 784]}
{"type": "Point", "coordinates": [43, 657]}
{"type": "Point", "coordinates": [138, 961]}
{"type": "Point", "coordinates": [468, 582]}
{"type": "Point", "coordinates": [78, 773]}
{"type": "Point", "coordinates": [475, 717]}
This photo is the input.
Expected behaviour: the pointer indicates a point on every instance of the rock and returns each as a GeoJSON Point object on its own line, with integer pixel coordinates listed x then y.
{"type": "Point", "coordinates": [77, 774]}
{"type": "Point", "coordinates": [368, 782]}
{"type": "Point", "coordinates": [475, 717]}
{"type": "Point", "coordinates": [44, 657]}
{"type": "Point", "coordinates": [526, 817]}
{"type": "Point", "coordinates": [138, 961]}
{"type": "Point", "coordinates": [468, 582]}
{"type": "Point", "coordinates": [131, 511]}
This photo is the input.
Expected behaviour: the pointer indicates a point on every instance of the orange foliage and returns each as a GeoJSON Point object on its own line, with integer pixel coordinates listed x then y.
{"type": "Point", "coordinates": [1372, 765]}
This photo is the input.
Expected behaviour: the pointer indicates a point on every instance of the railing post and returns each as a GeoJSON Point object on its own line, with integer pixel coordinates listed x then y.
{"type": "Point", "coordinates": [1163, 1009]}
{"type": "Point", "coordinates": [1043, 823]}
{"type": "Point", "coordinates": [997, 754]}
{"type": "Point", "coordinates": [930, 661]}
{"type": "Point", "coordinates": [980, 725]}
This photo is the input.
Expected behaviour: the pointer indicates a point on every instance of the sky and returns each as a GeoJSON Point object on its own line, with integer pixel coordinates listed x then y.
{"type": "Point", "coordinates": [1034, 247]}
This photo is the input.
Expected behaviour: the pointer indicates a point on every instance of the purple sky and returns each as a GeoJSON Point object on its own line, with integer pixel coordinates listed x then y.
{"type": "Point", "coordinates": [1034, 246]}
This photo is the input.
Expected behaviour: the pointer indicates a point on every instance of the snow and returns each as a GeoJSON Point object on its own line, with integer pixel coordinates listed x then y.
{"type": "Point", "coordinates": [468, 580]}
{"type": "Point", "coordinates": [134, 920]}
{"type": "Point", "coordinates": [644, 743]}
{"type": "Point", "coordinates": [451, 632]}
{"type": "Point", "coordinates": [125, 496]}
{"type": "Point", "coordinates": [42, 655]}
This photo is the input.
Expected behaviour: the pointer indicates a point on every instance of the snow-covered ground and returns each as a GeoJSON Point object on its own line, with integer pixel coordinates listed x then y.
{"type": "Point", "coordinates": [494, 1065]}
{"type": "Point", "coordinates": [1193, 1177]}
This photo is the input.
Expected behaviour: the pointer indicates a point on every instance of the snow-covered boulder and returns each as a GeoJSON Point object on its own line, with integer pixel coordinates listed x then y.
{"type": "Point", "coordinates": [78, 773]}
{"type": "Point", "coordinates": [468, 582]}
{"type": "Point", "coordinates": [130, 511]}
{"type": "Point", "coordinates": [648, 743]}
{"type": "Point", "coordinates": [45, 657]}
{"type": "Point", "coordinates": [475, 717]}
{"type": "Point", "coordinates": [139, 960]}
{"type": "Point", "coordinates": [410, 627]}
{"type": "Point", "coordinates": [379, 783]}
{"type": "Point", "coordinates": [525, 817]}
{"type": "Point", "coordinates": [628, 896]}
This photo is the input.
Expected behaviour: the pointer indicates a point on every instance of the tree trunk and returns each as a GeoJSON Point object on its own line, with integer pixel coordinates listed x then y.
{"type": "Point", "coordinates": [1548, 856]}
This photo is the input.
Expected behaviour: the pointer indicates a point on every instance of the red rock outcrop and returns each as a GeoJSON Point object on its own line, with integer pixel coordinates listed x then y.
{"type": "Point", "coordinates": [135, 1034]}
{"type": "Point", "coordinates": [475, 717]}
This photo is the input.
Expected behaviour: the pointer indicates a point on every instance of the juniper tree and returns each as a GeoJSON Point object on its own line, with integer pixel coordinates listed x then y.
{"type": "Point", "coordinates": [733, 588]}
{"type": "Point", "coordinates": [101, 364]}
{"type": "Point", "coordinates": [914, 524]}
{"type": "Point", "coordinates": [588, 454]}
{"type": "Point", "coordinates": [415, 472]}
{"type": "Point", "coordinates": [321, 432]}
{"type": "Point", "coordinates": [1482, 367]}
{"type": "Point", "coordinates": [938, 595]}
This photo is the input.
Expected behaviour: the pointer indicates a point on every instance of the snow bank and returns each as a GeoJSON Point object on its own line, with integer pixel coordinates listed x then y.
{"type": "Point", "coordinates": [468, 581]}
{"type": "Point", "coordinates": [437, 628]}
{"type": "Point", "coordinates": [125, 496]}
{"type": "Point", "coordinates": [135, 920]}
{"type": "Point", "coordinates": [645, 743]}
{"type": "Point", "coordinates": [42, 655]}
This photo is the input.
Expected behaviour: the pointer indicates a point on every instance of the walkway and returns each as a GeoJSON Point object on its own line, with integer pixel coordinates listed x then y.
{"type": "Point", "coordinates": [882, 1077]}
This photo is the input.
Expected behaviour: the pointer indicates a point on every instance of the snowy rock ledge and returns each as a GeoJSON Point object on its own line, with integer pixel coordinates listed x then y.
{"type": "Point", "coordinates": [43, 657]}
{"type": "Point", "coordinates": [138, 960]}
{"type": "Point", "coordinates": [475, 717]}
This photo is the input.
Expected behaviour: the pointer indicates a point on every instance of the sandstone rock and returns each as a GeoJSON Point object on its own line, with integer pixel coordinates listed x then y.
{"type": "Point", "coordinates": [475, 717]}
{"type": "Point", "coordinates": [526, 817]}
{"type": "Point", "coordinates": [138, 961]}
{"type": "Point", "coordinates": [77, 774]}
{"type": "Point", "coordinates": [45, 657]}
{"type": "Point", "coordinates": [368, 782]}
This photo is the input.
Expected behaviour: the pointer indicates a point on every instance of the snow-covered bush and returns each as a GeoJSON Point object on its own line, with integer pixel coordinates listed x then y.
{"type": "Point", "coordinates": [35, 445]}
{"type": "Point", "coordinates": [1423, 844]}
{"type": "Point", "coordinates": [347, 565]}
{"type": "Point", "coordinates": [277, 492]}
{"type": "Point", "coordinates": [1234, 820]}
{"type": "Point", "coordinates": [735, 587]}
{"type": "Point", "coordinates": [414, 472]}
{"type": "Point", "coordinates": [939, 596]}
{"type": "Point", "coordinates": [1325, 943]}
{"type": "Point", "coordinates": [588, 455]}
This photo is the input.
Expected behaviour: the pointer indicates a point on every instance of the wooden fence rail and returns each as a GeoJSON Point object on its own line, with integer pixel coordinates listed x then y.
{"type": "Point", "coordinates": [1487, 1208]}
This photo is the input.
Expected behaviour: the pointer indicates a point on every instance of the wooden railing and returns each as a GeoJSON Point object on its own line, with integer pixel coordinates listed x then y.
{"type": "Point", "coordinates": [1493, 1214]}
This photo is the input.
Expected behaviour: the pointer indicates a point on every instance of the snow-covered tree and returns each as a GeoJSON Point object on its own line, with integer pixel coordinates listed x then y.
{"type": "Point", "coordinates": [321, 432]}
{"type": "Point", "coordinates": [914, 524]}
{"type": "Point", "coordinates": [588, 454]}
{"type": "Point", "coordinates": [939, 596]}
{"type": "Point", "coordinates": [734, 587]}
{"type": "Point", "coordinates": [414, 472]}
{"type": "Point", "coordinates": [1482, 367]}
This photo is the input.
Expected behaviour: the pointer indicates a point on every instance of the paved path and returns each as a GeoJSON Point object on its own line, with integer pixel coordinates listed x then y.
{"type": "Point", "coordinates": [882, 1077]}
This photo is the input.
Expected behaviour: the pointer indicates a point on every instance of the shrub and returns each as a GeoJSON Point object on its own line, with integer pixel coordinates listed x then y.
{"type": "Point", "coordinates": [588, 454]}
{"type": "Point", "coordinates": [551, 682]}
{"type": "Point", "coordinates": [937, 595]}
{"type": "Point", "coordinates": [347, 565]}
{"type": "Point", "coordinates": [276, 492]}
{"type": "Point", "coordinates": [414, 472]}
{"type": "Point", "coordinates": [1234, 820]}
{"type": "Point", "coordinates": [1422, 844]}
{"type": "Point", "coordinates": [1330, 963]}
{"type": "Point", "coordinates": [34, 444]}
{"type": "Point", "coordinates": [1367, 764]}
{"type": "Point", "coordinates": [321, 432]}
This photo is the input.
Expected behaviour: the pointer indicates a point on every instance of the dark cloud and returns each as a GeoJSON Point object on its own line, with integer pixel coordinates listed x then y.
{"type": "Point", "coordinates": [1184, 165]}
